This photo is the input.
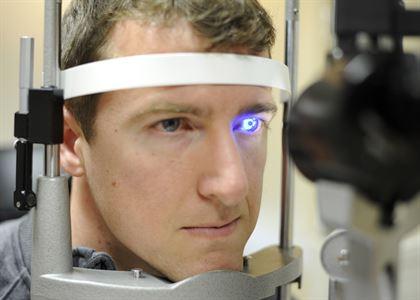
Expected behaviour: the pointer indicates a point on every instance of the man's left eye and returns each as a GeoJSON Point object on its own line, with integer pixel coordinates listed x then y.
{"type": "Point", "coordinates": [248, 125]}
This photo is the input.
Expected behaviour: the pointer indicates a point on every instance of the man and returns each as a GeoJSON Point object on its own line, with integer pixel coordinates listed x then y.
{"type": "Point", "coordinates": [166, 179]}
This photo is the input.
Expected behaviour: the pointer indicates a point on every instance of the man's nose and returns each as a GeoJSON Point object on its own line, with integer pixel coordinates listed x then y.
{"type": "Point", "coordinates": [224, 178]}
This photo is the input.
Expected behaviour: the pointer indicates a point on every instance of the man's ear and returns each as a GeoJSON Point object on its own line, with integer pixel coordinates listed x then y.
{"type": "Point", "coordinates": [71, 154]}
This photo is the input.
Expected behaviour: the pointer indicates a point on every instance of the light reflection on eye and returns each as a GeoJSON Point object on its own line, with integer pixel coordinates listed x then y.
{"type": "Point", "coordinates": [247, 125]}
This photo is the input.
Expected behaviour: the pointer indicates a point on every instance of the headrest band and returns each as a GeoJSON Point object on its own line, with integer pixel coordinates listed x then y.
{"type": "Point", "coordinates": [172, 69]}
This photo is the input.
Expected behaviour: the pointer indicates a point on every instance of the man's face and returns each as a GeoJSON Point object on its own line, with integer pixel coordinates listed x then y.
{"type": "Point", "coordinates": [176, 172]}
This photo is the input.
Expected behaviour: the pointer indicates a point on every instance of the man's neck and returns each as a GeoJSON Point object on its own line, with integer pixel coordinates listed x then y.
{"type": "Point", "coordinates": [89, 229]}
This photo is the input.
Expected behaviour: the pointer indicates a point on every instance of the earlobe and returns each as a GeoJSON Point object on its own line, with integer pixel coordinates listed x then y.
{"type": "Point", "coordinates": [71, 154]}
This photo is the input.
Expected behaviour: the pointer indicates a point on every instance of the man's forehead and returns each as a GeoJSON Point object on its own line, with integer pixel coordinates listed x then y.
{"type": "Point", "coordinates": [133, 37]}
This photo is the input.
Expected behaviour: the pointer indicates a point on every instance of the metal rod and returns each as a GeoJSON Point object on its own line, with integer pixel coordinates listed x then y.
{"type": "Point", "coordinates": [292, 11]}
{"type": "Point", "coordinates": [287, 184]}
{"type": "Point", "coordinates": [52, 47]}
{"type": "Point", "coordinates": [52, 160]}
{"type": "Point", "coordinates": [26, 71]}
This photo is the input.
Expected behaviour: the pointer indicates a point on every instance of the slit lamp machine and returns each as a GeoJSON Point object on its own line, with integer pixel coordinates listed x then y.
{"type": "Point", "coordinates": [356, 133]}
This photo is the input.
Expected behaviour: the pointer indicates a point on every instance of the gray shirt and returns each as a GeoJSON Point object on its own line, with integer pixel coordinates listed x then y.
{"type": "Point", "coordinates": [15, 258]}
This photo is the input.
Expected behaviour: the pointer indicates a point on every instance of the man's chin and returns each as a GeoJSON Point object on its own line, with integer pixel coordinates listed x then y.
{"type": "Point", "coordinates": [206, 266]}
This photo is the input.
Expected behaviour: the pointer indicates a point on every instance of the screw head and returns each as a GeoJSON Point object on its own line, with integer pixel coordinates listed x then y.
{"type": "Point", "coordinates": [138, 273]}
{"type": "Point", "coordinates": [343, 258]}
{"type": "Point", "coordinates": [18, 204]}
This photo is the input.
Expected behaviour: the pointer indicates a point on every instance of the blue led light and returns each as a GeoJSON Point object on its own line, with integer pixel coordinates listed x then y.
{"type": "Point", "coordinates": [248, 125]}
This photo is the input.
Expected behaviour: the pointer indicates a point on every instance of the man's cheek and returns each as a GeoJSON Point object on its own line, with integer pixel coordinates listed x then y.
{"type": "Point", "coordinates": [254, 195]}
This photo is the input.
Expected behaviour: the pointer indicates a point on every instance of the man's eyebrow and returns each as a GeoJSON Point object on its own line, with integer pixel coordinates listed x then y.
{"type": "Point", "coordinates": [173, 108]}
{"type": "Point", "coordinates": [167, 107]}
{"type": "Point", "coordinates": [258, 108]}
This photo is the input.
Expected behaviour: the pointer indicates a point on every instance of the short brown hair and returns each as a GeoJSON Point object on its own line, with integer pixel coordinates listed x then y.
{"type": "Point", "coordinates": [88, 23]}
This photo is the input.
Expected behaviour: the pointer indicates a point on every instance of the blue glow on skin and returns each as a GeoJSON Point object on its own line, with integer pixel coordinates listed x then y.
{"type": "Point", "coordinates": [247, 124]}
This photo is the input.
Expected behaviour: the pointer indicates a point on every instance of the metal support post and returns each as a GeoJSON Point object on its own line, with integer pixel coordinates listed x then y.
{"type": "Point", "coordinates": [52, 50]}
{"type": "Point", "coordinates": [287, 184]}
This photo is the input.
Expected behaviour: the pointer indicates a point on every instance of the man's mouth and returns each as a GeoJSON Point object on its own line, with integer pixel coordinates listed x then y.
{"type": "Point", "coordinates": [213, 230]}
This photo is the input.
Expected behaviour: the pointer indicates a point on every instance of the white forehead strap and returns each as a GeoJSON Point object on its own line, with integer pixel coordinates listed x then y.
{"type": "Point", "coordinates": [173, 69]}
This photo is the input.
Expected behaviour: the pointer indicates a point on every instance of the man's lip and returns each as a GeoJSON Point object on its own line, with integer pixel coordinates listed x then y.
{"type": "Point", "coordinates": [212, 225]}
{"type": "Point", "coordinates": [220, 231]}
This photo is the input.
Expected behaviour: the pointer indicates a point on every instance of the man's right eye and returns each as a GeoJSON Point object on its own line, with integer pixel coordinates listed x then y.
{"type": "Point", "coordinates": [170, 125]}
{"type": "Point", "coordinates": [173, 125]}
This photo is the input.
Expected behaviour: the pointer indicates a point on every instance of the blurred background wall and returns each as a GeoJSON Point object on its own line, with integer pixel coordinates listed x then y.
{"type": "Point", "coordinates": [24, 17]}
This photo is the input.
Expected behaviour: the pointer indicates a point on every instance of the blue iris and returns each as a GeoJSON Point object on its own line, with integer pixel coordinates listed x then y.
{"type": "Point", "coordinates": [247, 125]}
